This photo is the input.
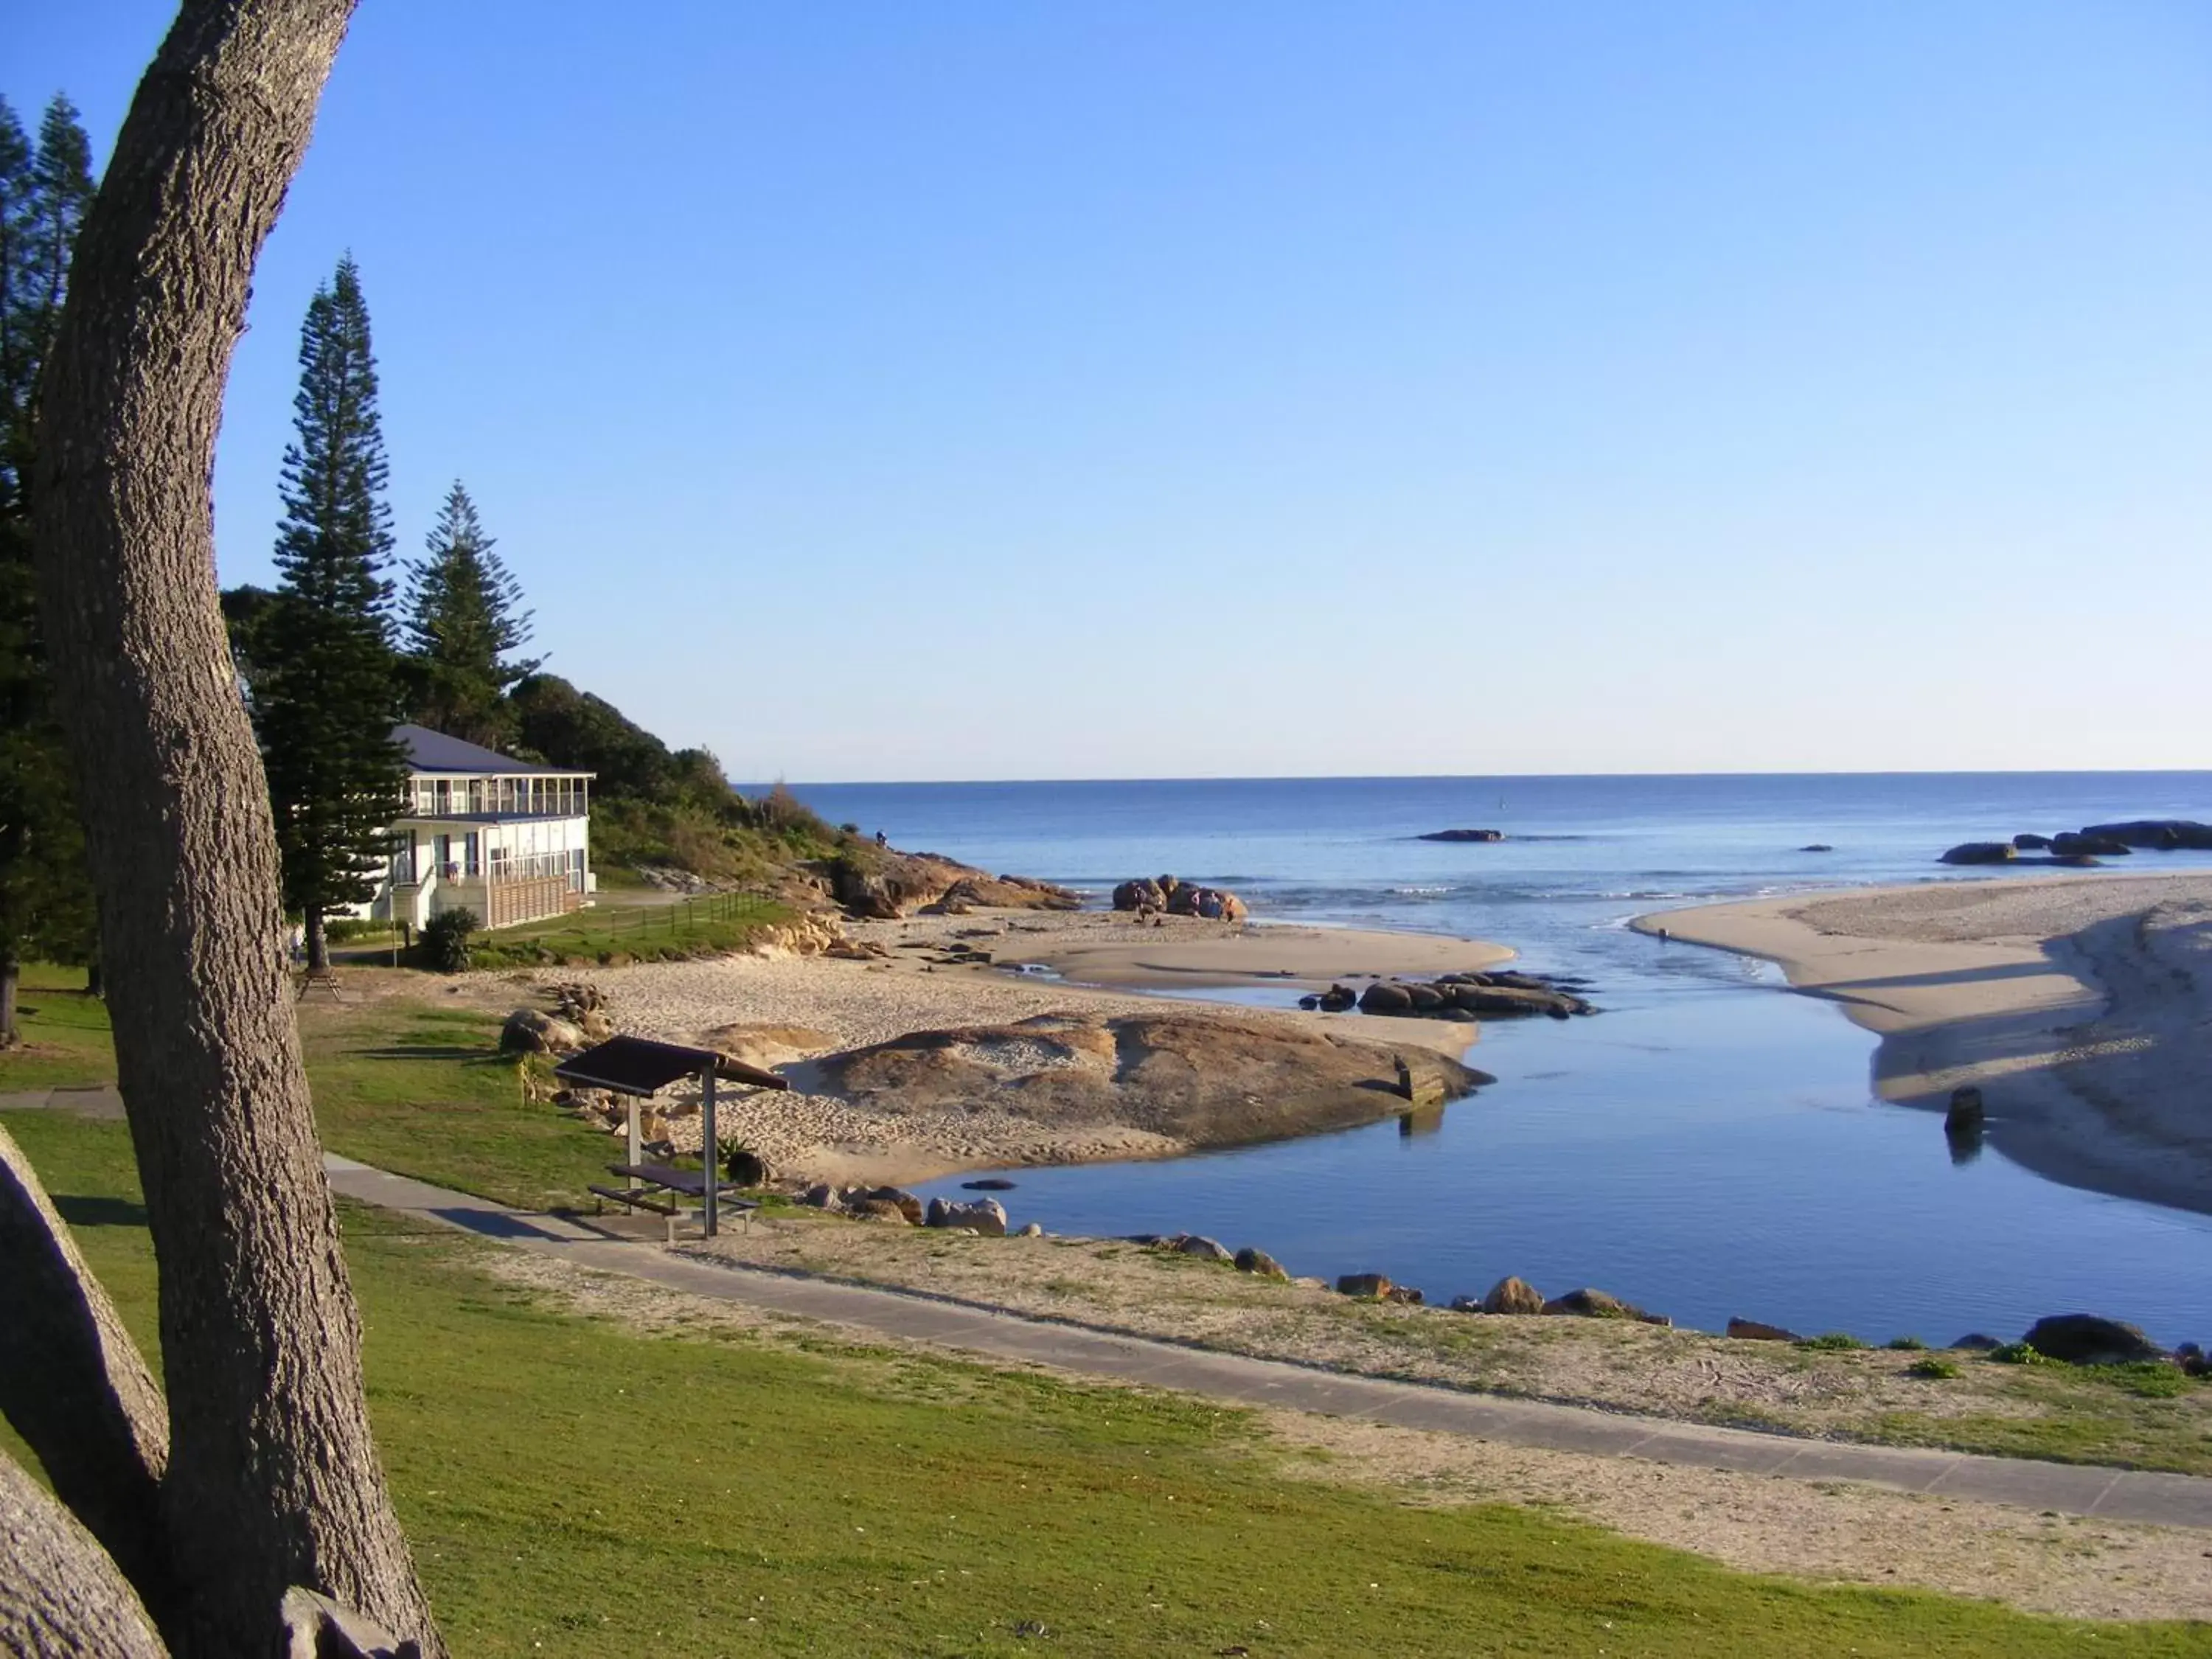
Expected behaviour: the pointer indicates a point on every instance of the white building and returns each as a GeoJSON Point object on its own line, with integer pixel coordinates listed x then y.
{"type": "Point", "coordinates": [500, 836]}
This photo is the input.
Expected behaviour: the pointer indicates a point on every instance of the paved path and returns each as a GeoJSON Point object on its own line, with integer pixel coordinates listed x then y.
{"type": "Point", "coordinates": [86, 1100]}
{"type": "Point", "coordinates": [2069, 1489]}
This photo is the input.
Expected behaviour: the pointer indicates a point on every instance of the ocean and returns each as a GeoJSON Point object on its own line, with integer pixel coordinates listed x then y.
{"type": "Point", "coordinates": [1710, 1145]}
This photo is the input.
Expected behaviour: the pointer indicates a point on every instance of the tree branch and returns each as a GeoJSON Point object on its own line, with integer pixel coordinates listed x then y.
{"type": "Point", "coordinates": [72, 1383]}
{"type": "Point", "coordinates": [60, 1596]}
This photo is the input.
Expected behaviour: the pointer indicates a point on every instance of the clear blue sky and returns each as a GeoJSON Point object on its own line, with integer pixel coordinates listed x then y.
{"type": "Point", "coordinates": [993, 389]}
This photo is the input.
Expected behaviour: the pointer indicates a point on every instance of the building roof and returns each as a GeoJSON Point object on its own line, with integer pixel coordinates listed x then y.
{"type": "Point", "coordinates": [434, 751]}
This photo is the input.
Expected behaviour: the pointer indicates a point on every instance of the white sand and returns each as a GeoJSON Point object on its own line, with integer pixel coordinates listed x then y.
{"type": "Point", "coordinates": [2080, 1006]}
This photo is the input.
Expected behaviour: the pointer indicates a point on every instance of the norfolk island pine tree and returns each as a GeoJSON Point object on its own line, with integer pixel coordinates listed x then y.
{"type": "Point", "coordinates": [464, 620]}
{"type": "Point", "coordinates": [328, 694]}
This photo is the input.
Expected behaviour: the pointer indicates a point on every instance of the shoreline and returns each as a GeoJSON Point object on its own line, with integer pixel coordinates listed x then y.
{"type": "Point", "coordinates": [1081, 987]}
{"type": "Point", "coordinates": [2074, 1004]}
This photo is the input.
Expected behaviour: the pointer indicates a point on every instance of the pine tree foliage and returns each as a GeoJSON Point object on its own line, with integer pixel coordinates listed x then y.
{"type": "Point", "coordinates": [464, 621]}
{"type": "Point", "coordinates": [45, 897]}
{"type": "Point", "coordinates": [326, 696]}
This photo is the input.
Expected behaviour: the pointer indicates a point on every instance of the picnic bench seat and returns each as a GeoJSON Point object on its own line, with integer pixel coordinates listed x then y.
{"type": "Point", "coordinates": [660, 1179]}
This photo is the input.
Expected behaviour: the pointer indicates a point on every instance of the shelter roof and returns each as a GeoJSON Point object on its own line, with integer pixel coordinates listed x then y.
{"type": "Point", "coordinates": [641, 1065]}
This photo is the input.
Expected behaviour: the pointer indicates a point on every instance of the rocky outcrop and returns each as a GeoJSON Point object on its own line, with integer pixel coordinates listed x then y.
{"type": "Point", "coordinates": [2159, 835]}
{"type": "Point", "coordinates": [2082, 1339]}
{"type": "Point", "coordinates": [1587, 1303]}
{"type": "Point", "coordinates": [1507, 995]}
{"type": "Point", "coordinates": [2032, 843]}
{"type": "Point", "coordinates": [1165, 896]}
{"type": "Point", "coordinates": [1513, 1296]}
{"type": "Point", "coordinates": [1204, 1248]}
{"type": "Point", "coordinates": [882, 886]}
{"type": "Point", "coordinates": [1372, 1286]}
{"type": "Point", "coordinates": [1980, 852]}
{"type": "Point", "coordinates": [1752, 1330]}
{"type": "Point", "coordinates": [1465, 834]}
{"type": "Point", "coordinates": [1205, 1078]}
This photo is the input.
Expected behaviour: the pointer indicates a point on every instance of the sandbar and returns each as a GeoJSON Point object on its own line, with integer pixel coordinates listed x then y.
{"type": "Point", "coordinates": [2080, 1005]}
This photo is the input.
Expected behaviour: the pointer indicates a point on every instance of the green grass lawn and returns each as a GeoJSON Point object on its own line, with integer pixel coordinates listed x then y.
{"type": "Point", "coordinates": [65, 1031]}
{"type": "Point", "coordinates": [675, 929]}
{"type": "Point", "coordinates": [574, 1488]}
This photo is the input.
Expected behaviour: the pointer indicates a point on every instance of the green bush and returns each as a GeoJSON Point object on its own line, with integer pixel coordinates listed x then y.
{"type": "Point", "coordinates": [1832, 1340]}
{"type": "Point", "coordinates": [445, 947]}
{"type": "Point", "coordinates": [1907, 1344]}
{"type": "Point", "coordinates": [345, 929]}
{"type": "Point", "coordinates": [1934, 1370]}
{"type": "Point", "coordinates": [2021, 1353]}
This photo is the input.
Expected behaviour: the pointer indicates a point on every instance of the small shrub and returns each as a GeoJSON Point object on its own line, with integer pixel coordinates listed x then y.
{"type": "Point", "coordinates": [1935, 1370]}
{"type": "Point", "coordinates": [1832, 1340]}
{"type": "Point", "coordinates": [446, 940]}
{"type": "Point", "coordinates": [345, 929]}
{"type": "Point", "coordinates": [2149, 1379]}
{"type": "Point", "coordinates": [1907, 1344]}
{"type": "Point", "coordinates": [2021, 1353]}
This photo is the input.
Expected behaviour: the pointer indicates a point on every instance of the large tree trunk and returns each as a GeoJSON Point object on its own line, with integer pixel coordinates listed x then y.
{"type": "Point", "coordinates": [60, 1598]}
{"type": "Point", "coordinates": [273, 1477]}
{"type": "Point", "coordinates": [73, 1384]}
{"type": "Point", "coordinates": [11, 976]}
{"type": "Point", "coordinates": [317, 941]}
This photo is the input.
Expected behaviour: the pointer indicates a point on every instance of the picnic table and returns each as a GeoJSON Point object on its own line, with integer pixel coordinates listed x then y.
{"type": "Point", "coordinates": [649, 1180]}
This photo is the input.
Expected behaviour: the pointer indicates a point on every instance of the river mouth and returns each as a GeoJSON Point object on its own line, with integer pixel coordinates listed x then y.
{"type": "Point", "coordinates": [1708, 1147]}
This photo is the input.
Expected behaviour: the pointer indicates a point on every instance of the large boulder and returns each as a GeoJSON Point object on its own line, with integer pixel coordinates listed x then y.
{"type": "Point", "coordinates": [1204, 1248]}
{"type": "Point", "coordinates": [1207, 903]}
{"type": "Point", "coordinates": [2088, 846]}
{"type": "Point", "coordinates": [1251, 1260]}
{"type": "Point", "coordinates": [532, 1032]}
{"type": "Point", "coordinates": [1753, 1330]}
{"type": "Point", "coordinates": [1981, 852]}
{"type": "Point", "coordinates": [1512, 1000]}
{"type": "Point", "coordinates": [1142, 896]}
{"type": "Point", "coordinates": [1374, 1286]}
{"type": "Point", "coordinates": [2032, 843]}
{"type": "Point", "coordinates": [1513, 1296]}
{"type": "Point", "coordinates": [2082, 1339]}
{"type": "Point", "coordinates": [1386, 997]}
{"type": "Point", "coordinates": [986, 1216]}
{"type": "Point", "coordinates": [1587, 1303]}
{"type": "Point", "coordinates": [1465, 834]}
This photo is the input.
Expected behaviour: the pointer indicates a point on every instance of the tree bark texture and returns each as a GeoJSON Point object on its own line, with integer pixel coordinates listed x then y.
{"type": "Point", "coordinates": [273, 1477]}
{"type": "Point", "coordinates": [73, 1384]}
{"type": "Point", "coordinates": [60, 1596]}
{"type": "Point", "coordinates": [11, 976]}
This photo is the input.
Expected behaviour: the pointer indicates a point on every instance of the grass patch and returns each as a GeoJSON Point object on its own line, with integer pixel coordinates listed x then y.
{"type": "Point", "coordinates": [836, 1501]}
{"type": "Point", "coordinates": [64, 1032]}
{"type": "Point", "coordinates": [1832, 1341]}
{"type": "Point", "coordinates": [2019, 1353]}
{"type": "Point", "coordinates": [1906, 1345]}
{"type": "Point", "coordinates": [679, 930]}
{"type": "Point", "coordinates": [1933, 1369]}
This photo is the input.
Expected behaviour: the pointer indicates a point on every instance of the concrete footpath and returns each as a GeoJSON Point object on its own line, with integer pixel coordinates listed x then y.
{"type": "Point", "coordinates": [2111, 1494]}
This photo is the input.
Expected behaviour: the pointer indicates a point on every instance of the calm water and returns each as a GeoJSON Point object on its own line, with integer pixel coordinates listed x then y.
{"type": "Point", "coordinates": [1710, 1145]}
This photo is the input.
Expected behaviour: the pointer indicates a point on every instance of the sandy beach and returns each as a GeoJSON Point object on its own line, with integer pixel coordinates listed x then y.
{"type": "Point", "coordinates": [2081, 1006]}
{"type": "Point", "coordinates": [786, 1010]}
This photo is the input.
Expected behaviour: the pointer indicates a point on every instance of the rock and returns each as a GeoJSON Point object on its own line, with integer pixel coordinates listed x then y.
{"type": "Point", "coordinates": [1513, 1296]}
{"type": "Point", "coordinates": [528, 1031]}
{"type": "Point", "coordinates": [1980, 852]}
{"type": "Point", "coordinates": [1258, 1262]}
{"type": "Point", "coordinates": [1208, 903]}
{"type": "Point", "coordinates": [1977, 1342]}
{"type": "Point", "coordinates": [2088, 846]}
{"type": "Point", "coordinates": [1405, 1294]}
{"type": "Point", "coordinates": [1426, 998]}
{"type": "Point", "coordinates": [1309, 1003]}
{"type": "Point", "coordinates": [1375, 1285]}
{"type": "Point", "coordinates": [1029, 1230]}
{"type": "Point", "coordinates": [1338, 999]}
{"type": "Point", "coordinates": [2161, 834]}
{"type": "Point", "coordinates": [2078, 860]}
{"type": "Point", "coordinates": [1509, 1000]}
{"type": "Point", "coordinates": [988, 1184]}
{"type": "Point", "coordinates": [881, 1209]}
{"type": "Point", "coordinates": [1385, 997]}
{"type": "Point", "coordinates": [1816, 847]}
{"type": "Point", "coordinates": [1210, 1078]}
{"type": "Point", "coordinates": [2028, 843]}
{"type": "Point", "coordinates": [986, 1216]}
{"type": "Point", "coordinates": [1467, 1304]}
{"type": "Point", "coordinates": [596, 1026]}
{"type": "Point", "coordinates": [1964, 1115]}
{"type": "Point", "coordinates": [1420, 1089]}
{"type": "Point", "coordinates": [1592, 1304]}
{"type": "Point", "coordinates": [1206, 1250]}
{"type": "Point", "coordinates": [2086, 1340]}
{"type": "Point", "coordinates": [1751, 1330]}
{"type": "Point", "coordinates": [1465, 834]}
{"type": "Point", "coordinates": [821, 1196]}
{"type": "Point", "coordinates": [906, 1203]}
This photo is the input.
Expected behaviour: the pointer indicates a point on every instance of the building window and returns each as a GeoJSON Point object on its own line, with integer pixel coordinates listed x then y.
{"type": "Point", "coordinates": [472, 855]}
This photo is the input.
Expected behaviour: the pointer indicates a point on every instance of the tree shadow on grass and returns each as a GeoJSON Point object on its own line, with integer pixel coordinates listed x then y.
{"type": "Point", "coordinates": [81, 1211]}
{"type": "Point", "coordinates": [429, 1051]}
